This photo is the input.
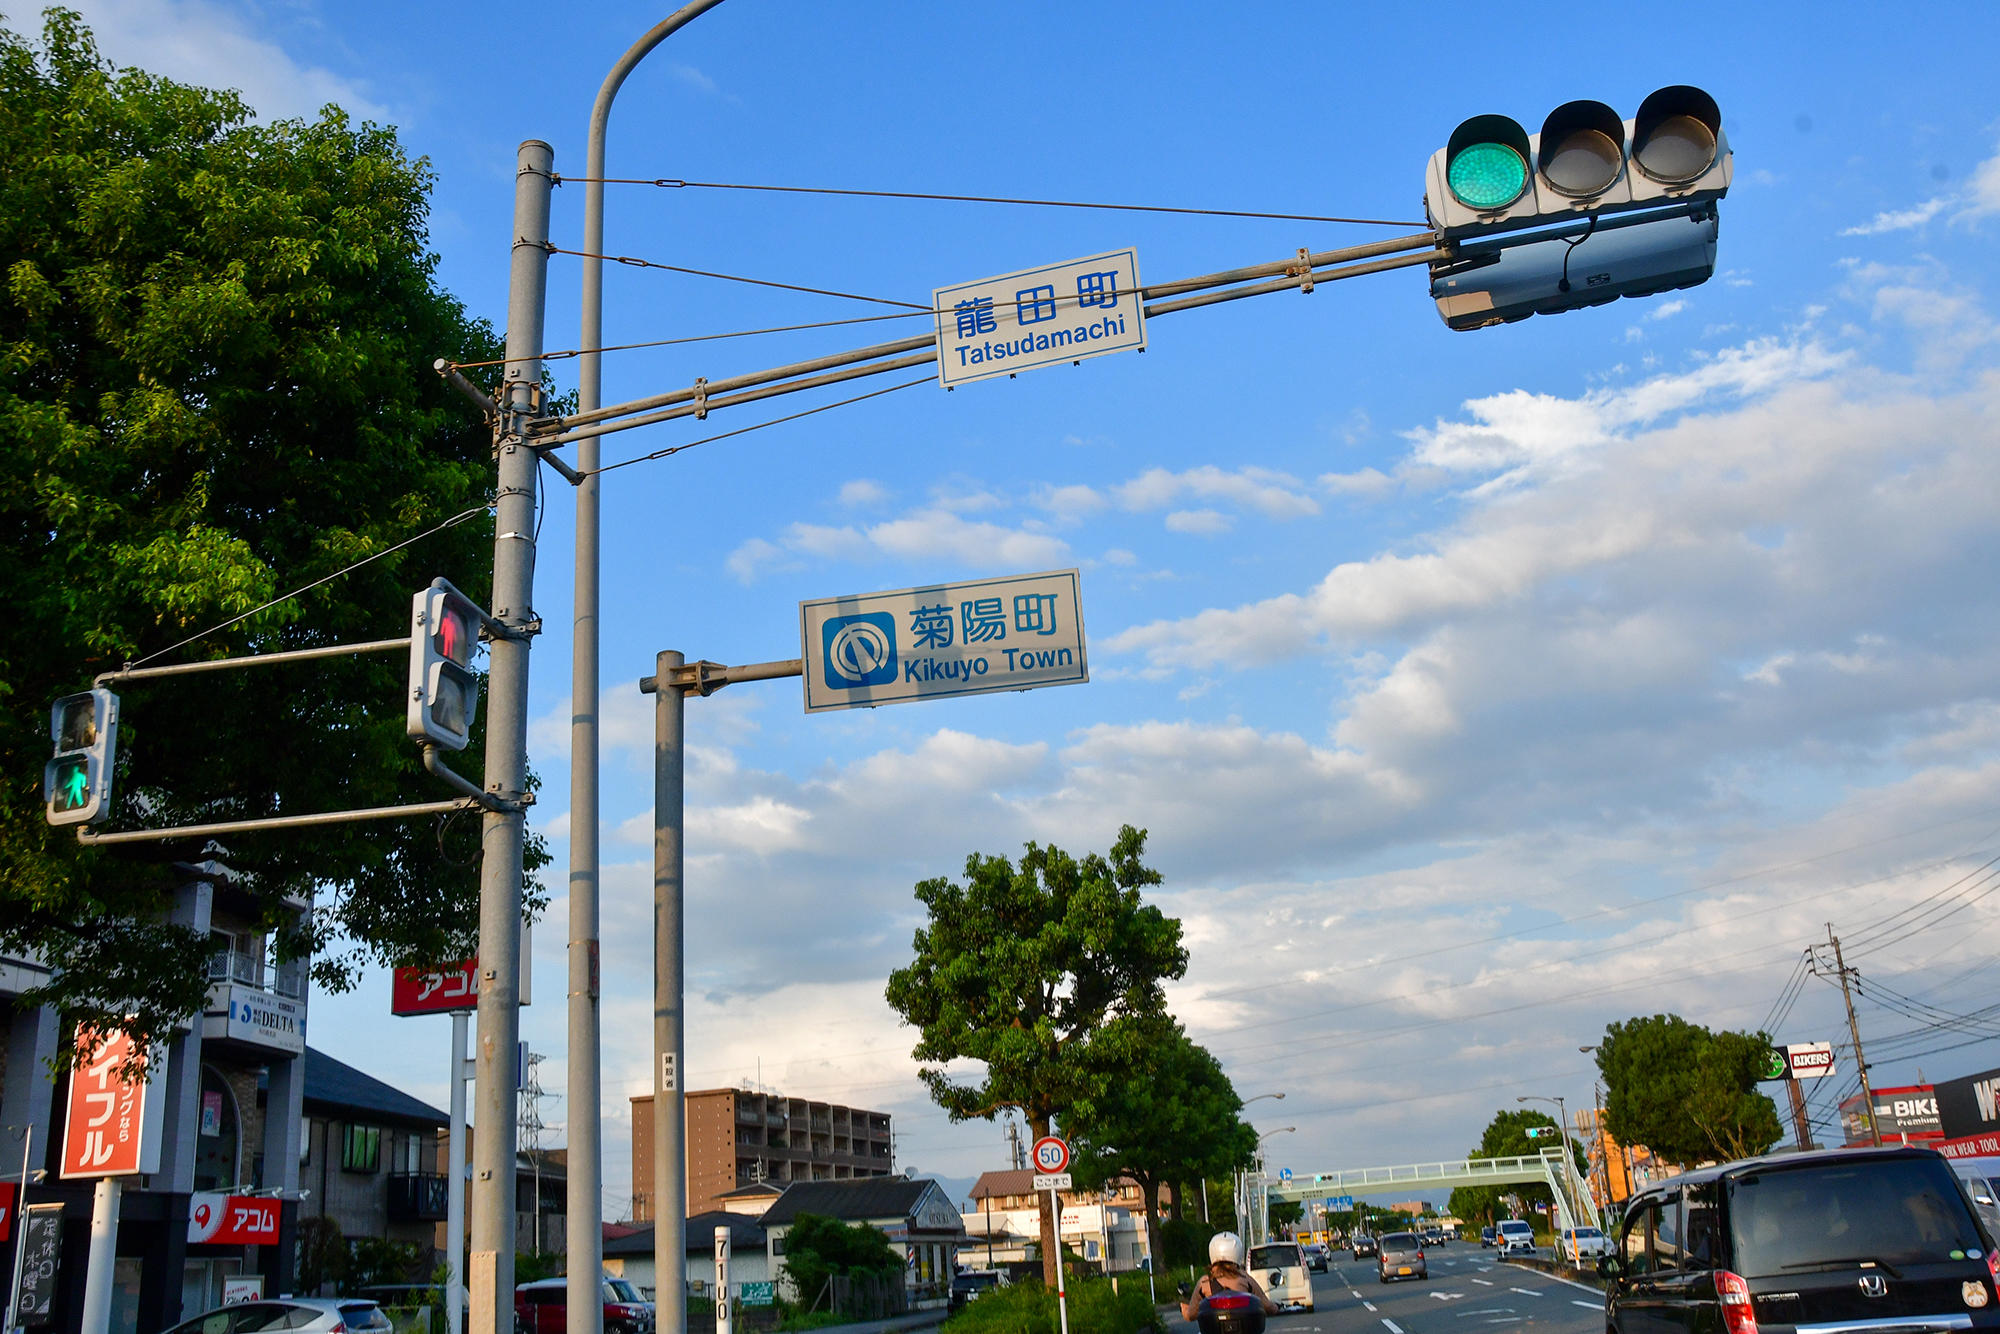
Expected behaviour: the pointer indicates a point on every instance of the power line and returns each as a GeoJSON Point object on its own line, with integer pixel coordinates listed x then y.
{"type": "Point", "coordinates": [636, 263]}
{"type": "Point", "coordinates": [568, 353]}
{"type": "Point", "coordinates": [758, 426]}
{"type": "Point", "coordinates": [670, 183]}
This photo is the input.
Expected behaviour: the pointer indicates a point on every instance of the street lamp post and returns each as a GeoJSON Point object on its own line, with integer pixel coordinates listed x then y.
{"type": "Point", "coordinates": [585, 1189]}
{"type": "Point", "coordinates": [1569, 1167]}
{"type": "Point", "coordinates": [1260, 1230]}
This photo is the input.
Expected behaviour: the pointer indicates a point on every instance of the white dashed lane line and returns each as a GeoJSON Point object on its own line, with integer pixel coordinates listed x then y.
{"type": "Point", "coordinates": [1394, 1328]}
{"type": "Point", "coordinates": [1487, 1281]}
{"type": "Point", "coordinates": [1589, 1306]}
{"type": "Point", "coordinates": [1370, 1305]}
{"type": "Point", "coordinates": [1525, 1292]}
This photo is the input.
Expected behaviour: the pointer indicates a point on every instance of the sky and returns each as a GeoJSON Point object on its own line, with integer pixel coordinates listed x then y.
{"type": "Point", "coordinates": [1476, 689]}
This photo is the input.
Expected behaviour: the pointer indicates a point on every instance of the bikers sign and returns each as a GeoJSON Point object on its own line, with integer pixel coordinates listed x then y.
{"type": "Point", "coordinates": [970, 638]}
{"type": "Point", "coordinates": [1038, 317]}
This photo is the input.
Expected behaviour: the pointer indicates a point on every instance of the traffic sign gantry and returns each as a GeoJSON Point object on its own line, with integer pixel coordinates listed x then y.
{"type": "Point", "coordinates": [1051, 1154]}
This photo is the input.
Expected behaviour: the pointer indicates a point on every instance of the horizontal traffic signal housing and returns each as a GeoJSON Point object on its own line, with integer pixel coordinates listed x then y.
{"type": "Point", "coordinates": [1493, 176]}
{"type": "Point", "coordinates": [1585, 263]}
{"type": "Point", "coordinates": [76, 783]}
{"type": "Point", "coordinates": [443, 687]}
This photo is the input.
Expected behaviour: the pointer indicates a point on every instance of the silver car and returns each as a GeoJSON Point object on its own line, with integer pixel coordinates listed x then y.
{"type": "Point", "coordinates": [1402, 1256]}
{"type": "Point", "coordinates": [294, 1315]}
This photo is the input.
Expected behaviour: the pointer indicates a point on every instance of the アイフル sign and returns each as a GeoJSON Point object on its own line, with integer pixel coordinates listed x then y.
{"type": "Point", "coordinates": [112, 1126]}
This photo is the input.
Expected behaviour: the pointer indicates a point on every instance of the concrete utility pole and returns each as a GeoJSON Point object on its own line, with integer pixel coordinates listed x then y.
{"type": "Point", "coordinates": [1854, 1031]}
{"type": "Point", "coordinates": [492, 1268]}
{"type": "Point", "coordinates": [669, 999]}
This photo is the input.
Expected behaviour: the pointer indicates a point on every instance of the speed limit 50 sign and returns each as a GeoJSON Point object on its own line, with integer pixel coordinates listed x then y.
{"type": "Point", "coordinates": [1051, 1154]}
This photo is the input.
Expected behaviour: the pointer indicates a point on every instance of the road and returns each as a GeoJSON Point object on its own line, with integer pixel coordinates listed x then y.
{"type": "Point", "coordinates": [1468, 1292]}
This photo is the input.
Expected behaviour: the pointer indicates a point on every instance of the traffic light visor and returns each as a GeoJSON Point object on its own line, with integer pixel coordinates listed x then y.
{"type": "Point", "coordinates": [1486, 162]}
{"type": "Point", "coordinates": [76, 722]}
{"type": "Point", "coordinates": [1674, 136]}
{"type": "Point", "coordinates": [1582, 149]}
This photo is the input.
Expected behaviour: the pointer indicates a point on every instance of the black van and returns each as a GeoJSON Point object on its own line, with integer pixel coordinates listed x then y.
{"type": "Point", "coordinates": [1851, 1241]}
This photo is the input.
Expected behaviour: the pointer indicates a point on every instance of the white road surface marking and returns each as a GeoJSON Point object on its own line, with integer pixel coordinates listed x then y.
{"type": "Point", "coordinates": [1588, 1306]}
{"type": "Point", "coordinates": [1525, 1292]}
{"type": "Point", "coordinates": [1370, 1305]}
{"type": "Point", "coordinates": [1487, 1281]}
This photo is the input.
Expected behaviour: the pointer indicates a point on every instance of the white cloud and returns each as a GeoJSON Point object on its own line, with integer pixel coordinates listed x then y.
{"type": "Point", "coordinates": [1900, 220]}
{"type": "Point", "coordinates": [1666, 310]}
{"type": "Point", "coordinates": [1273, 494]}
{"type": "Point", "coordinates": [1069, 504]}
{"type": "Point", "coordinates": [1199, 523]}
{"type": "Point", "coordinates": [1366, 482]}
{"type": "Point", "coordinates": [928, 535]}
{"type": "Point", "coordinates": [862, 492]}
{"type": "Point", "coordinates": [201, 43]}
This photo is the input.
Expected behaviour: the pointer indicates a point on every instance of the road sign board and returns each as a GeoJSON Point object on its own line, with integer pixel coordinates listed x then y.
{"type": "Point", "coordinates": [1052, 1181]}
{"type": "Point", "coordinates": [969, 638]}
{"type": "Point", "coordinates": [1038, 317]}
{"type": "Point", "coordinates": [1339, 1202]}
{"type": "Point", "coordinates": [1284, 1174]}
{"type": "Point", "coordinates": [1051, 1154]}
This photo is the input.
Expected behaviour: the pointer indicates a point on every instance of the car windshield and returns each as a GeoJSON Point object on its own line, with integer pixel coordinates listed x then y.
{"type": "Point", "coordinates": [618, 1290]}
{"type": "Point", "coordinates": [1515, 1226]}
{"type": "Point", "coordinates": [1274, 1257]}
{"type": "Point", "coordinates": [1400, 1241]}
{"type": "Point", "coordinates": [1587, 1234]}
{"type": "Point", "coordinates": [1893, 1211]}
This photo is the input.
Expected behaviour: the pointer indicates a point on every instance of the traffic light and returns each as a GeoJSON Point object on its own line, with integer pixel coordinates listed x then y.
{"type": "Point", "coordinates": [76, 784]}
{"type": "Point", "coordinates": [1537, 1132]}
{"type": "Point", "coordinates": [443, 688]}
{"type": "Point", "coordinates": [1493, 176]}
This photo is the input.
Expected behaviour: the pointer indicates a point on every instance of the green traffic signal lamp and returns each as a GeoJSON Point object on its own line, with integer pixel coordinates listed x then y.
{"type": "Point", "coordinates": [68, 783]}
{"type": "Point", "coordinates": [1486, 162]}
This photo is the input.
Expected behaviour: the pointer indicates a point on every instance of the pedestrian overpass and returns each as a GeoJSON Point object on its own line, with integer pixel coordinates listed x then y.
{"type": "Point", "coordinates": [1545, 1168]}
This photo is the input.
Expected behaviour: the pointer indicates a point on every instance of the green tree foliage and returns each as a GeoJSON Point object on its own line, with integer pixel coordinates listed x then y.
{"type": "Point", "coordinates": [1171, 1117]}
{"type": "Point", "coordinates": [1506, 1136]}
{"type": "Point", "coordinates": [1048, 974]}
{"type": "Point", "coordinates": [817, 1249]}
{"type": "Point", "coordinates": [1030, 1308]}
{"type": "Point", "coordinates": [1686, 1093]}
{"type": "Point", "coordinates": [215, 341]}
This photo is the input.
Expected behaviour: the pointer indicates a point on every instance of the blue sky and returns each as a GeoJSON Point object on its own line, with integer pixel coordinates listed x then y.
{"type": "Point", "coordinates": [1478, 689]}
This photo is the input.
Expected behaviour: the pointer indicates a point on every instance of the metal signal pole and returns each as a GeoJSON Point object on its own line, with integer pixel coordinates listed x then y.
{"type": "Point", "coordinates": [492, 1268]}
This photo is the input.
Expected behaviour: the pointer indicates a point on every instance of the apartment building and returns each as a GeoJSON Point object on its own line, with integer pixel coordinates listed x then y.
{"type": "Point", "coordinates": [740, 1137]}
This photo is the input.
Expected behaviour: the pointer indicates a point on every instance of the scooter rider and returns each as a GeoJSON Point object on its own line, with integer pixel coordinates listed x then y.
{"type": "Point", "coordinates": [1225, 1274]}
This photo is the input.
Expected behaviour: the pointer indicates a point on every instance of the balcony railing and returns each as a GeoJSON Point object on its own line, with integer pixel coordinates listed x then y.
{"type": "Point", "coordinates": [418, 1197]}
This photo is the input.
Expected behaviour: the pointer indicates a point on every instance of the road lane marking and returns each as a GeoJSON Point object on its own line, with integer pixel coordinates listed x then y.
{"type": "Point", "coordinates": [1588, 1306]}
{"type": "Point", "coordinates": [1525, 1292]}
{"type": "Point", "coordinates": [1356, 1292]}
{"type": "Point", "coordinates": [1370, 1305]}
{"type": "Point", "coordinates": [1487, 1281]}
{"type": "Point", "coordinates": [1394, 1328]}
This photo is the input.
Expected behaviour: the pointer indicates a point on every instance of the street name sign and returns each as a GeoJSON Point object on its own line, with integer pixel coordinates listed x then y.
{"type": "Point", "coordinates": [1052, 1180]}
{"type": "Point", "coordinates": [970, 638]}
{"type": "Point", "coordinates": [1038, 317]}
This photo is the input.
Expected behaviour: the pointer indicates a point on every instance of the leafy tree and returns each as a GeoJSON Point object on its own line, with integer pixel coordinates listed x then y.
{"type": "Point", "coordinates": [817, 1249]}
{"type": "Point", "coordinates": [1049, 974]}
{"type": "Point", "coordinates": [1684, 1092]}
{"type": "Point", "coordinates": [1284, 1213]}
{"type": "Point", "coordinates": [215, 339]}
{"type": "Point", "coordinates": [1506, 1136]}
{"type": "Point", "coordinates": [1172, 1117]}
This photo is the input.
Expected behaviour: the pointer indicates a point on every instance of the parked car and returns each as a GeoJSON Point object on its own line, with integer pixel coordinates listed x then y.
{"type": "Point", "coordinates": [1487, 1237]}
{"type": "Point", "coordinates": [1363, 1244]}
{"type": "Point", "coordinates": [311, 1315]}
{"type": "Point", "coordinates": [542, 1307]}
{"type": "Point", "coordinates": [1401, 1256]}
{"type": "Point", "coordinates": [1985, 1201]}
{"type": "Point", "coordinates": [1848, 1239]}
{"type": "Point", "coordinates": [1317, 1258]}
{"type": "Point", "coordinates": [1515, 1237]}
{"type": "Point", "coordinates": [967, 1284]}
{"type": "Point", "coordinates": [1577, 1244]}
{"type": "Point", "coordinates": [1281, 1267]}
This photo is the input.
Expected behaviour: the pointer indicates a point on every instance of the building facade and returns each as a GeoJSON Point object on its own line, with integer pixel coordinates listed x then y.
{"type": "Point", "coordinates": [1003, 1222]}
{"type": "Point", "coordinates": [915, 1215]}
{"type": "Point", "coordinates": [739, 1137]}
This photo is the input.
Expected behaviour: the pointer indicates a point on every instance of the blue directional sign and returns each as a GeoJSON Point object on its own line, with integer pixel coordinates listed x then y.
{"type": "Point", "coordinates": [1038, 317]}
{"type": "Point", "coordinates": [1335, 1202]}
{"type": "Point", "coordinates": [970, 638]}
{"type": "Point", "coordinates": [1284, 1174]}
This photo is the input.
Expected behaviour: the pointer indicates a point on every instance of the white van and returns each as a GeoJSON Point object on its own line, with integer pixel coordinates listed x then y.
{"type": "Point", "coordinates": [1281, 1267]}
{"type": "Point", "coordinates": [1516, 1237]}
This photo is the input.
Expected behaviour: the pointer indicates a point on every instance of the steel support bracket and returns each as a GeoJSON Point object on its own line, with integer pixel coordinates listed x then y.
{"type": "Point", "coordinates": [701, 398]}
{"type": "Point", "coordinates": [1303, 271]}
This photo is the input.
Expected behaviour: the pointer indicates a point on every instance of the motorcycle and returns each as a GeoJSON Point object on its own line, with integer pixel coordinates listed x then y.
{"type": "Point", "coordinates": [1227, 1312]}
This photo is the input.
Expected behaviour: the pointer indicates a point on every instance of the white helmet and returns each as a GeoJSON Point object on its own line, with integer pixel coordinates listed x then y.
{"type": "Point", "coordinates": [1225, 1248]}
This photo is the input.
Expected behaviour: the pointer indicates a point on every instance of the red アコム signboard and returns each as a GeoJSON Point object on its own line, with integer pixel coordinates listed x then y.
{"type": "Point", "coordinates": [105, 1129]}
{"type": "Point", "coordinates": [439, 990]}
{"type": "Point", "coordinates": [232, 1220]}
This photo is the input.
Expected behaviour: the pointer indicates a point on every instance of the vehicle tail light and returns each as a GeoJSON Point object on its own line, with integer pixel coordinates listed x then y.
{"type": "Point", "coordinates": [1232, 1301]}
{"type": "Point", "coordinates": [339, 1327]}
{"type": "Point", "coordinates": [1993, 1267]}
{"type": "Point", "coordinates": [1737, 1315]}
